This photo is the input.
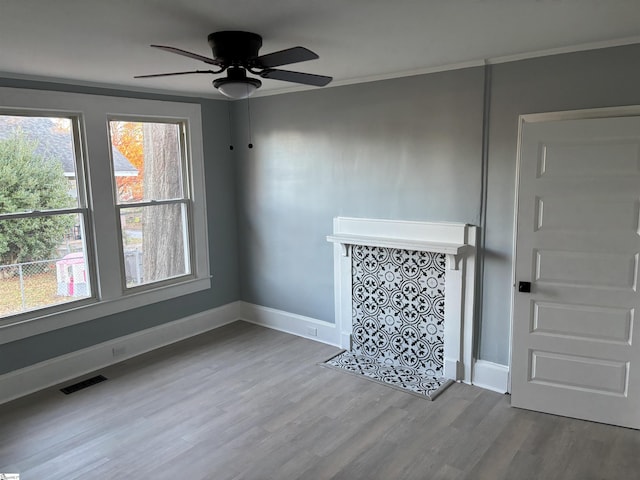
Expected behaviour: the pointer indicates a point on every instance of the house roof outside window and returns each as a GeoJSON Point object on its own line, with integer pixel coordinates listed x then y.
{"type": "Point", "coordinates": [54, 142]}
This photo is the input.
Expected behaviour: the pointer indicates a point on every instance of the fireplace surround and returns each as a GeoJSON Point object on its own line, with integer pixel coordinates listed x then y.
{"type": "Point", "coordinates": [369, 253]}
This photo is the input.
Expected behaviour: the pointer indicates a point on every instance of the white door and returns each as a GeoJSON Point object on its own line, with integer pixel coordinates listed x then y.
{"type": "Point", "coordinates": [575, 350]}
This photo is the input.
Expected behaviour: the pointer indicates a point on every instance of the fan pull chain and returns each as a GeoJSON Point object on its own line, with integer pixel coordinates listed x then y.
{"type": "Point", "coordinates": [229, 123]}
{"type": "Point", "coordinates": [249, 118]}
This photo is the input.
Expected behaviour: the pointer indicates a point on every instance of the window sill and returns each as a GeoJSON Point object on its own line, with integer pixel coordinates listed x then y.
{"type": "Point", "coordinates": [23, 328]}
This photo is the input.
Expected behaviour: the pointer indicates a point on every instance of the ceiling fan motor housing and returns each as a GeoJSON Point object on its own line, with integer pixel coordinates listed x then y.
{"type": "Point", "coordinates": [236, 75]}
{"type": "Point", "coordinates": [234, 48]}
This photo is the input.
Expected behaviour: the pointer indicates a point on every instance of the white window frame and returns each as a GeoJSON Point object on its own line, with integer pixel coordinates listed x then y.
{"type": "Point", "coordinates": [185, 200]}
{"type": "Point", "coordinates": [81, 209]}
{"type": "Point", "coordinates": [110, 294]}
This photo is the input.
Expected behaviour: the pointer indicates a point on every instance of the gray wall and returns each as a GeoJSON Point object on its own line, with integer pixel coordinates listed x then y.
{"type": "Point", "coordinates": [406, 148]}
{"type": "Point", "coordinates": [410, 149]}
{"type": "Point", "coordinates": [597, 78]}
{"type": "Point", "coordinates": [221, 213]}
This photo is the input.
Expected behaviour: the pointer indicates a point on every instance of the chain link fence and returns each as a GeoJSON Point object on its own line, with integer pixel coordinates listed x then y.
{"type": "Point", "coordinates": [133, 266]}
{"type": "Point", "coordinates": [31, 285]}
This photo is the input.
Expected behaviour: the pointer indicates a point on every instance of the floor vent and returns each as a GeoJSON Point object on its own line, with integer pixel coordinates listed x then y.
{"type": "Point", "coordinates": [83, 384]}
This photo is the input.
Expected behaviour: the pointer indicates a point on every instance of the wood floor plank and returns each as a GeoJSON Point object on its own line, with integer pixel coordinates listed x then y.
{"type": "Point", "coordinates": [244, 402]}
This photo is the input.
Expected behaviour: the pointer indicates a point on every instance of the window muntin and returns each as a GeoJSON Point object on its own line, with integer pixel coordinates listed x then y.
{"type": "Point", "coordinates": [152, 206]}
{"type": "Point", "coordinates": [43, 249]}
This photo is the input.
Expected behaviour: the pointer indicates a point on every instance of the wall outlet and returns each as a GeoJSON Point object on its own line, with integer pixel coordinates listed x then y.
{"type": "Point", "coordinates": [119, 351]}
{"type": "Point", "coordinates": [312, 331]}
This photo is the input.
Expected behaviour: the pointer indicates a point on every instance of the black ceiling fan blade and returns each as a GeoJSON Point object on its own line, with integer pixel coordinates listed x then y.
{"type": "Point", "coordinates": [184, 53]}
{"type": "Point", "coordinates": [284, 57]}
{"type": "Point", "coordinates": [174, 73]}
{"type": "Point", "coordinates": [297, 77]}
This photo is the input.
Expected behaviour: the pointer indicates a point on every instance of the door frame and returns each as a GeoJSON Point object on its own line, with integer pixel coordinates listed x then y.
{"type": "Point", "coordinates": [586, 114]}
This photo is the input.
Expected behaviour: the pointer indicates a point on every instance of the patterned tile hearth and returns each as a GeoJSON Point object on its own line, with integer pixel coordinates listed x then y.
{"type": "Point", "coordinates": [407, 379]}
{"type": "Point", "coordinates": [398, 319]}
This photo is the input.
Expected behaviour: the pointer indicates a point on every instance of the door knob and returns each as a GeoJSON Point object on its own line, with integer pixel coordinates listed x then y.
{"type": "Point", "coordinates": [524, 287]}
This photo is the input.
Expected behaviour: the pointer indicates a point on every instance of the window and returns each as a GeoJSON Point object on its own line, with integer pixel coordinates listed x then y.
{"type": "Point", "coordinates": [153, 205]}
{"type": "Point", "coordinates": [42, 215]}
{"type": "Point", "coordinates": [107, 214]}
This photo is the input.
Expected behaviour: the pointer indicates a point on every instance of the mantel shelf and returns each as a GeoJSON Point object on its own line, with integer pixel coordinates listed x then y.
{"type": "Point", "coordinates": [451, 250]}
{"type": "Point", "coordinates": [400, 243]}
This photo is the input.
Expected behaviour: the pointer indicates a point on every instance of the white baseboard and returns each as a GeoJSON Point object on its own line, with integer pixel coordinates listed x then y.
{"type": "Point", "coordinates": [299, 325]}
{"type": "Point", "coordinates": [453, 369]}
{"type": "Point", "coordinates": [491, 376]}
{"type": "Point", "coordinates": [24, 381]}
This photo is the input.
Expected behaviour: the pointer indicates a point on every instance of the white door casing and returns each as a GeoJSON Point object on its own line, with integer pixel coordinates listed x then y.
{"type": "Point", "coordinates": [575, 350]}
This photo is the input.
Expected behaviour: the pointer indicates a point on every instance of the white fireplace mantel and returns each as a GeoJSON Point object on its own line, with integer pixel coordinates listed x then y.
{"type": "Point", "coordinates": [457, 241]}
{"type": "Point", "coordinates": [451, 250]}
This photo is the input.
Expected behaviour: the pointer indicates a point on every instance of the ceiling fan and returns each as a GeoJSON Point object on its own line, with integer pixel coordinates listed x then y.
{"type": "Point", "coordinates": [236, 53]}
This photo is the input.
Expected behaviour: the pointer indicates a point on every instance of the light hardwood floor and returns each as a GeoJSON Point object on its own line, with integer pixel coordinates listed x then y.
{"type": "Point", "coordinates": [245, 402]}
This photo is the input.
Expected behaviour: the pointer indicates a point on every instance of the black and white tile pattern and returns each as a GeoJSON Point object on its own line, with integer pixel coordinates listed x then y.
{"type": "Point", "coordinates": [398, 319]}
{"type": "Point", "coordinates": [398, 307]}
{"type": "Point", "coordinates": [404, 378]}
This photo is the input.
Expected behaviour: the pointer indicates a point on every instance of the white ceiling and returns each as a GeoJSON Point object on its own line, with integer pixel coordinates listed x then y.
{"type": "Point", "coordinates": [106, 42]}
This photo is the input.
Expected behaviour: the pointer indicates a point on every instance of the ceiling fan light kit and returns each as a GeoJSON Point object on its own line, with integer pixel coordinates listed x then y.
{"type": "Point", "coordinates": [236, 53]}
{"type": "Point", "coordinates": [236, 85]}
